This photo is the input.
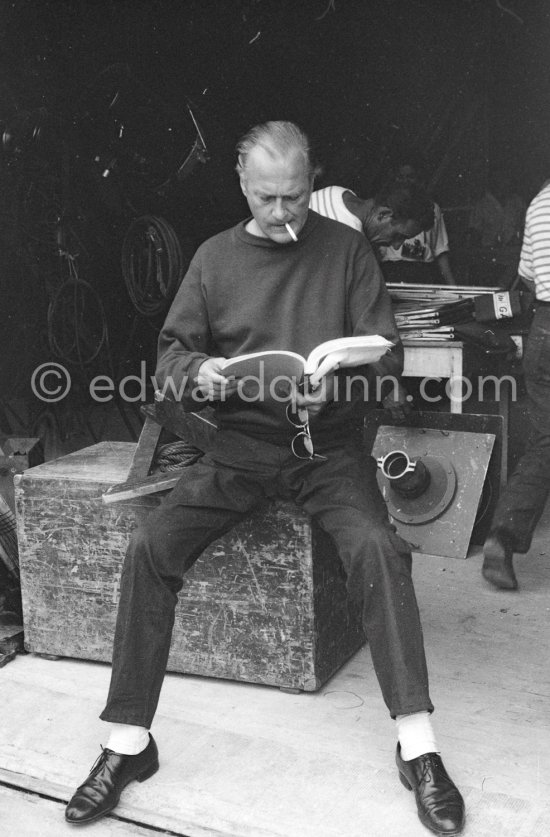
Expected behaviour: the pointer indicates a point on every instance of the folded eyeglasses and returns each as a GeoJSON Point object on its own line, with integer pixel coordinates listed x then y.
{"type": "Point", "coordinates": [302, 443]}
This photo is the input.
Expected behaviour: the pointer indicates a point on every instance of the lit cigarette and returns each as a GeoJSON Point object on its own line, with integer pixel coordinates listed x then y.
{"type": "Point", "coordinates": [291, 232]}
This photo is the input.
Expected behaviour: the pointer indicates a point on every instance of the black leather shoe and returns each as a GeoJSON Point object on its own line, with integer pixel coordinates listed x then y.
{"type": "Point", "coordinates": [438, 800]}
{"type": "Point", "coordinates": [101, 791]}
{"type": "Point", "coordinates": [498, 567]}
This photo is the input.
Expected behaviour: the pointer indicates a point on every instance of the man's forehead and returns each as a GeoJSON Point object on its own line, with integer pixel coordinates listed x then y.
{"type": "Point", "coordinates": [266, 161]}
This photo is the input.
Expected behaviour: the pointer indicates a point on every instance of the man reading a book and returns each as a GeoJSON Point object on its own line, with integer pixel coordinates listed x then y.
{"type": "Point", "coordinates": [285, 278]}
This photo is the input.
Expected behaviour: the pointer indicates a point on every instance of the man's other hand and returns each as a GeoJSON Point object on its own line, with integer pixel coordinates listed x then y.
{"type": "Point", "coordinates": [316, 399]}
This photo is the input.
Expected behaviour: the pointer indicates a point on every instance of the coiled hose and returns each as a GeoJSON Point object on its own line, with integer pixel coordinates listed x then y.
{"type": "Point", "coordinates": [175, 455]}
{"type": "Point", "coordinates": [152, 264]}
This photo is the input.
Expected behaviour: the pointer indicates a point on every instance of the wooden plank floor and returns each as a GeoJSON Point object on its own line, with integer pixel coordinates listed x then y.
{"type": "Point", "coordinates": [29, 814]}
{"type": "Point", "coordinates": [241, 760]}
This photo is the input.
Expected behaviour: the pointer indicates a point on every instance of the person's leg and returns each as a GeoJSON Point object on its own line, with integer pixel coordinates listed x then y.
{"type": "Point", "coordinates": [209, 499]}
{"type": "Point", "coordinates": [522, 502]}
{"type": "Point", "coordinates": [342, 494]}
{"type": "Point", "coordinates": [211, 496]}
{"type": "Point", "coordinates": [199, 509]}
{"type": "Point", "coordinates": [518, 511]}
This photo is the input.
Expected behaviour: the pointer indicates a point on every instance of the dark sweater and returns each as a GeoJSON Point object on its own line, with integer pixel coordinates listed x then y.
{"type": "Point", "coordinates": [243, 293]}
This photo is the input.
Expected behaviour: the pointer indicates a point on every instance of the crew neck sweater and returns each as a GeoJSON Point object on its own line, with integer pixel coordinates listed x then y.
{"type": "Point", "coordinates": [244, 293]}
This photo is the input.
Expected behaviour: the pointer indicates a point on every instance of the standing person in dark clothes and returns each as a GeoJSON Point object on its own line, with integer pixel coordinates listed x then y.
{"type": "Point", "coordinates": [285, 278]}
{"type": "Point", "coordinates": [521, 504]}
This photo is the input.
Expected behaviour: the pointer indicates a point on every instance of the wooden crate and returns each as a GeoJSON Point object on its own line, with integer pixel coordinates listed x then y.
{"type": "Point", "coordinates": [266, 603]}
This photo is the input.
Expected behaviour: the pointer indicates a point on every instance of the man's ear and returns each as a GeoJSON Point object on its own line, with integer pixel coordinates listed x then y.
{"type": "Point", "coordinates": [242, 181]}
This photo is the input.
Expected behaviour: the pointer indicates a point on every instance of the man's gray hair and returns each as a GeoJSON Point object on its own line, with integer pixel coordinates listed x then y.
{"type": "Point", "coordinates": [278, 139]}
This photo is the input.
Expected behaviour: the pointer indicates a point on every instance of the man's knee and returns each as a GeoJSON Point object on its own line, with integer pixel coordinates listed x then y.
{"type": "Point", "coordinates": [377, 551]}
{"type": "Point", "coordinates": [150, 547]}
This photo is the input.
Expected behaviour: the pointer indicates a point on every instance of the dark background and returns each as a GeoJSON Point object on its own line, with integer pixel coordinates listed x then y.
{"type": "Point", "coordinates": [94, 115]}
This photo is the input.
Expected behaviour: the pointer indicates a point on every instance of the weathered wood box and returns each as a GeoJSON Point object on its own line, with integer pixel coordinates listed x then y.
{"type": "Point", "coordinates": [266, 603]}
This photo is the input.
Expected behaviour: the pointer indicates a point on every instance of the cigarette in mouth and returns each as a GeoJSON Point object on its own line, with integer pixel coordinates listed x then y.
{"type": "Point", "coordinates": [291, 232]}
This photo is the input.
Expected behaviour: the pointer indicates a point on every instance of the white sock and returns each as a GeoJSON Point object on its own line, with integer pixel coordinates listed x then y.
{"type": "Point", "coordinates": [127, 739]}
{"type": "Point", "coordinates": [416, 735]}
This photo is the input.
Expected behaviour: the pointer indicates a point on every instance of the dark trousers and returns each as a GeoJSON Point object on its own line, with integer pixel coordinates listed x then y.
{"type": "Point", "coordinates": [209, 499]}
{"type": "Point", "coordinates": [522, 502]}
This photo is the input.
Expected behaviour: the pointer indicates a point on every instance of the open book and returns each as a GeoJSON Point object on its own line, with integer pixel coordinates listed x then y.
{"type": "Point", "coordinates": [324, 358]}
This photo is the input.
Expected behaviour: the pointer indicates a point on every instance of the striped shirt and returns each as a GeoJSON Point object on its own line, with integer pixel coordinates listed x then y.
{"type": "Point", "coordinates": [534, 264]}
{"type": "Point", "coordinates": [329, 202]}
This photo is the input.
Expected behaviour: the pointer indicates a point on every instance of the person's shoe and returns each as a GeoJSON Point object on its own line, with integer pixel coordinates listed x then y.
{"type": "Point", "coordinates": [438, 800]}
{"type": "Point", "coordinates": [498, 566]}
{"type": "Point", "coordinates": [100, 793]}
